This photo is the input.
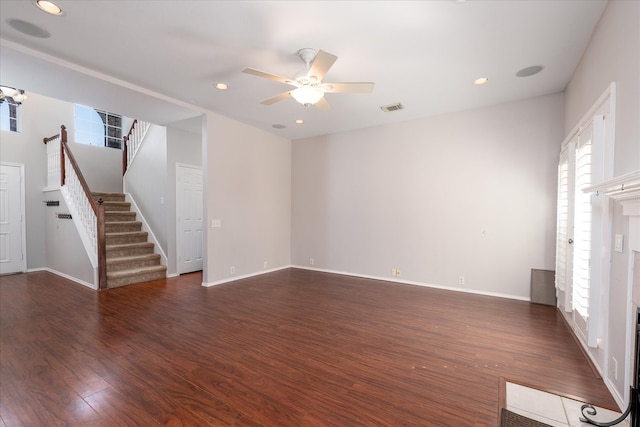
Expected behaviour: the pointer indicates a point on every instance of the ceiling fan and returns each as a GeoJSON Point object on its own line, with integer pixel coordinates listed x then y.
{"type": "Point", "coordinates": [310, 88]}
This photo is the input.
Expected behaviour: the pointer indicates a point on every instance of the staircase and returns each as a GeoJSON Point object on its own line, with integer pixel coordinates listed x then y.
{"type": "Point", "coordinates": [130, 258]}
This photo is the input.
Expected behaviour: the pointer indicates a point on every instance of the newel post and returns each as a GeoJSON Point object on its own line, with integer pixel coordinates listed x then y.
{"type": "Point", "coordinates": [102, 246]}
{"type": "Point", "coordinates": [62, 171]}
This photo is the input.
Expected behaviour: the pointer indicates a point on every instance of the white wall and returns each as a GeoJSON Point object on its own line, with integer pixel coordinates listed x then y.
{"type": "Point", "coordinates": [248, 187]}
{"type": "Point", "coordinates": [613, 55]}
{"type": "Point", "coordinates": [100, 166]}
{"type": "Point", "coordinates": [465, 194]}
{"type": "Point", "coordinates": [65, 252]}
{"type": "Point", "coordinates": [182, 147]}
{"type": "Point", "coordinates": [146, 181]}
{"type": "Point", "coordinates": [41, 117]}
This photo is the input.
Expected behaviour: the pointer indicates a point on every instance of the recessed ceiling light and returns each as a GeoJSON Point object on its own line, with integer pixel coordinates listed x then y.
{"type": "Point", "coordinates": [299, 121]}
{"type": "Point", "coordinates": [222, 86]}
{"type": "Point", "coordinates": [481, 81]}
{"type": "Point", "coordinates": [49, 7]}
{"type": "Point", "coordinates": [529, 71]}
{"type": "Point", "coordinates": [278, 126]}
{"type": "Point", "coordinates": [28, 28]}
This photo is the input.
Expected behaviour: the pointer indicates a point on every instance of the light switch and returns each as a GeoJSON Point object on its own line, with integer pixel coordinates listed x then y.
{"type": "Point", "coordinates": [216, 223]}
{"type": "Point", "coordinates": [619, 242]}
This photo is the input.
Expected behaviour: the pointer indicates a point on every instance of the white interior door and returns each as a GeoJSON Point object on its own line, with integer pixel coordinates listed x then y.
{"type": "Point", "coordinates": [11, 214]}
{"type": "Point", "coordinates": [189, 200]}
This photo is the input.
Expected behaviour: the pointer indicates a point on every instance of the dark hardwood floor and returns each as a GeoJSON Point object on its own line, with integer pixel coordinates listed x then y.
{"type": "Point", "coordinates": [290, 348]}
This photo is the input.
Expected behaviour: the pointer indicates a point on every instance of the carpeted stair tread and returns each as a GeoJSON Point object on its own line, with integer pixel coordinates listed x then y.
{"type": "Point", "coordinates": [129, 245]}
{"type": "Point", "coordinates": [115, 216]}
{"type": "Point", "coordinates": [111, 197]}
{"type": "Point", "coordinates": [122, 226]}
{"type": "Point", "coordinates": [133, 271]}
{"type": "Point", "coordinates": [124, 223]}
{"type": "Point", "coordinates": [132, 262]}
{"type": "Point", "coordinates": [135, 275]}
{"type": "Point", "coordinates": [110, 206]}
{"type": "Point", "coordinates": [129, 249]}
{"type": "Point", "coordinates": [124, 237]}
{"type": "Point", "coordinates": [151, 256]}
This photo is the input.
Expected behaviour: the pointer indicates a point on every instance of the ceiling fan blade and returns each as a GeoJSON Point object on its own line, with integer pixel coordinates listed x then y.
{"type": "Point", "coordinates": [350, 87]}
{"type": "Point", "coordinates": [323, 104]}
{"type": "Point", "coordinates": [321, 64]}
{"type": "Point", "coordinates": [277, 98]}
{"type": "Point", "coordinates": [280, 79]}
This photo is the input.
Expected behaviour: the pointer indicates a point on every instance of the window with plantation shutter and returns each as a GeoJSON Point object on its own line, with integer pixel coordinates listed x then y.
{"type": "Point", "coordinates": [584, 221]}
{"type": "Point", "coordinates": [582, 226]}
{"type": "Point", "coordinates": [564, 227]}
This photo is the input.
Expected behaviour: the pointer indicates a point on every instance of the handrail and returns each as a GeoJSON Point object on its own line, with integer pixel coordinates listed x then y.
{"type": "Point", "coordinates": [96, 207]}
{"type": "Point", "coordinates": [65, 148]}
{"type": "Point", "coordinates": [62, 135]}
{"type": "Point", "coordinates": [125, 147]}
{"type": "Point", "coordinates": [132, 141]}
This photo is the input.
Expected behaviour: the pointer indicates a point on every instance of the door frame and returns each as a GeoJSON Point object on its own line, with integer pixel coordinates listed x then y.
{"type": "Point", "coordinates": [23, 210]}
{"type": "Point", "coordinates": [178, 234]}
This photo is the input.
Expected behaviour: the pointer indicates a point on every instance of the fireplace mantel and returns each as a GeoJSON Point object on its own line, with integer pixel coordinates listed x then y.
{"type": "Point", "coordinates": [624, 189]}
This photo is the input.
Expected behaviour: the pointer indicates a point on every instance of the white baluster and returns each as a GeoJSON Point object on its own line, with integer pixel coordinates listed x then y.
{"type": "Point", "coordinates": [87, 217]}
{"type": "Point", "coordinates": [53, 163]}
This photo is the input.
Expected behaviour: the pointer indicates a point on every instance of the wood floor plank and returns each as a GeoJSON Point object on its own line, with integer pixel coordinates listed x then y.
{"type": "Point", "coordinates": [289, 348]}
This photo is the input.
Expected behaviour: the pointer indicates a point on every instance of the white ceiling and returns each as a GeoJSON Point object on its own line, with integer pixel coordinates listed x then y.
{"type": "Point", "coordinates": [424, 54]}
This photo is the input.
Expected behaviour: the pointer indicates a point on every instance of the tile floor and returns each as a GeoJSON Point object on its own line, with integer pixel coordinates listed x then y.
{"type": "Point", "coordinates": [552, 409]}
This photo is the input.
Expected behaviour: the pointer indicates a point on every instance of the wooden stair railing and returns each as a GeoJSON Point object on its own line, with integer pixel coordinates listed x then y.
{"type": "Point", "coordinates": [131, 142]}
{"type": "Point", "coordinates": [91, 212]}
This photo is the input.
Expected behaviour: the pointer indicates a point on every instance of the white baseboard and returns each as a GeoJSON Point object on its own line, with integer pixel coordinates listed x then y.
{"type": "Point", "coordinates": [365, 276]}
{"type": "Point", "coordinates": [414, 283]}
{"type": "Point", "coordinates": [66, 276]}
{"type": "Point", "coordinates": [614, 392]}
{"type": "Point", "coordinates": [245, 276]}
{"type": "Point", "coordinates": [145, 227]}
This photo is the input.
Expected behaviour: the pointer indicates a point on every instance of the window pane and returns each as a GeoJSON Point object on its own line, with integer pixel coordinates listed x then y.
{"type": "Point", "coordinates": [97, 127]}
{"type": "Point", "coordinates": [9, 114]}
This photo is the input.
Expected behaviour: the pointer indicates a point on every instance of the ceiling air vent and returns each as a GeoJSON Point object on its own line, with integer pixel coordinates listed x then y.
{"type": "Point", "coordinates": [391, 107]}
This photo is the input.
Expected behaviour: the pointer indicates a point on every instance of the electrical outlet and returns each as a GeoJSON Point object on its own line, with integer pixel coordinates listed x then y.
{"type": "Point", "coordinates": [613, 368]}
{"type": "Point", "coordinates": [265, 264]}
{"type": "Point", "coordinates": [461, 280]}
{"type": "Point", "coordinates": [311, 261]}
{"type": "Point", "coordinates": [397, 273]}
{"type": "Point", "coordinates": [393, 272]}
{"type": "Point", "coordinates": [232, 270]}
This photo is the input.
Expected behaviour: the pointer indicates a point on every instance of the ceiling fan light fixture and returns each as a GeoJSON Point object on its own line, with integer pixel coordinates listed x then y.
{"type": "Point", "coordinates": [16, 95]}
{"type": "Point", "coordinates": [307, 95]}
